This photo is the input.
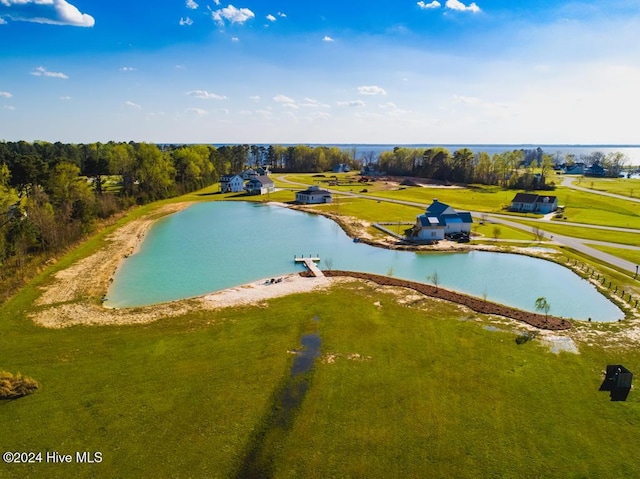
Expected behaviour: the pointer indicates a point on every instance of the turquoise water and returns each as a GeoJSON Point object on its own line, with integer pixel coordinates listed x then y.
{"type": "Point", "coordinates": [213, 246]}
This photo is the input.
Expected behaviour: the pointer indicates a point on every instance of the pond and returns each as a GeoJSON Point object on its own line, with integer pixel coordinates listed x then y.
{"type": "Point", "coordinates": [213, 246]}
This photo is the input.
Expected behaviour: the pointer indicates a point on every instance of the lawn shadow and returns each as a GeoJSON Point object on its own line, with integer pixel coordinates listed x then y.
{"type": "Point", "coordinates": [258, 460]}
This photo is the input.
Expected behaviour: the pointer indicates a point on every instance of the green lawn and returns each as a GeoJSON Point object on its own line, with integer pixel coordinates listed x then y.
{"type": "Point", "coordinates": [619, 186]}
{"type": "Point", "coordinates": [632, 239]}
{"type": "Point", "coordinates": [628, 254]}
{"type": "Point", "coordinates": [420, 390]}
{"type": "Point", "coordinates": [428, 396]}
{"type": "Point", "coordinates": [582, 207]}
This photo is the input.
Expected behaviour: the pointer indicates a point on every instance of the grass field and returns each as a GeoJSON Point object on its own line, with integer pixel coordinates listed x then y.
{"type": "Point", "coordinates": [428, 396]}
{"type": "Point", "coordinates": [619, 186]}
{"type": "Point", "coordinates": [628, 254]}
{"type": "Point", "coordinates": [423, 389]}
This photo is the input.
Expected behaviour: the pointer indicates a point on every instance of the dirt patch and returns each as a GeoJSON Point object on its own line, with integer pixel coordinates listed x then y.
{"type": "Point", "coordinates": [89, 277]}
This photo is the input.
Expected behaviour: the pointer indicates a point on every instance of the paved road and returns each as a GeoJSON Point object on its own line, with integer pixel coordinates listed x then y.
{"type": "Point", "coordinates": [574, 243]}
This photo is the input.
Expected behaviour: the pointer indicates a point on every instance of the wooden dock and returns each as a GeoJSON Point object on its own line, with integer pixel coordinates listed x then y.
{"type": "Point", "coordinates": [310, 263]}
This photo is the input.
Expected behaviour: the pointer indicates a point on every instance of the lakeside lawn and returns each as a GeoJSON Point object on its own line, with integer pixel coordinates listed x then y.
{"type": "Point", "coordinates": [434, 390]}
{"type": "Point", "coordinates": [620, 186]}
{"type": "Point", "coordinates": [400, 391]}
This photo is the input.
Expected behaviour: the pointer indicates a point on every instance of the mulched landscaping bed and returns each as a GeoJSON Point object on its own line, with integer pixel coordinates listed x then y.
{"type": "Point", "coordinates": [486, 307]}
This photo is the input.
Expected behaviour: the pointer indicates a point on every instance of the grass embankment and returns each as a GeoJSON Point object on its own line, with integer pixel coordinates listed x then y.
{"type": "Point", "coordinates": [400, 391]}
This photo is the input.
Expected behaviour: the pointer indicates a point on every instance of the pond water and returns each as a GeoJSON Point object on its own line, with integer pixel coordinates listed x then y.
{"type": "Point", "coordinates": [212, 246]}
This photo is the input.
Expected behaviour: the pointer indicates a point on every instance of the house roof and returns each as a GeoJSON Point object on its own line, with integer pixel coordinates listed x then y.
{"type": "Point", "coordinates": [532, 198]}
{"type": "Point", "coordinates": [524, 198]}
{"type": "Point", "coordinates": [435, 216]}
{"type": "Point", "coordinates": [436, 208]}
{"type": "Point", "coordinates": [225, 178]}
{"type": "Point", "coordinates": [262, 180]}
{"type": "Point", "coordinates": [314, 191]}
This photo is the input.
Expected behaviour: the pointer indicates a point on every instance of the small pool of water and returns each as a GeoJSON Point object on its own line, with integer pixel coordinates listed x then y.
{"type": "Point", "coordinates": [212, 246]}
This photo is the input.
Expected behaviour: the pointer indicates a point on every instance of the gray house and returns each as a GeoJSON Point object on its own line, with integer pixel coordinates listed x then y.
{"type": "Point", "coordinates": [313, 195]}
{"type": "Point", "coordinates": [260, 185]}
{"type": "Point", "coordinates": [440, 219]}
{"type": "Point", "coordinates": [532, 203]}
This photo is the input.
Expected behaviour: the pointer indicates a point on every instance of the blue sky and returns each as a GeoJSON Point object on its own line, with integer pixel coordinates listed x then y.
{"type": "Point", "coordinates": [450, 72]}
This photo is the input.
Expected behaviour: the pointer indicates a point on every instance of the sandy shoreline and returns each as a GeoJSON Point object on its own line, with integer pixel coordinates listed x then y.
{"type": "Point", "coordinates": [74, 296]}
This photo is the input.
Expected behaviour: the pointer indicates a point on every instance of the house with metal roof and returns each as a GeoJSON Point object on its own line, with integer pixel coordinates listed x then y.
{"type": "Point", "coordinates": [533, 203]}
{"type": "Point", "coordinates": [439, 220]}
{"type": "Point", "coordinates": [313, 195]}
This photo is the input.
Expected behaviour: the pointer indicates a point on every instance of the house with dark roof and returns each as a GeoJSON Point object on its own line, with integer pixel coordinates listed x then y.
{"type": "Point", "coordinates": [574, 168]}
{"type": "Point", "coordinates": [532, 203]}
{"type": "Point", "coordinates": [595, 170]}
{"type": "Point", "coordinates": [313, 195]}
{"type": "Point", "coordinates": [231, 184]}
{"type": "Point", "coordinates": [439, 220]}
{"type": "Point", "coordinates": [260, 185]}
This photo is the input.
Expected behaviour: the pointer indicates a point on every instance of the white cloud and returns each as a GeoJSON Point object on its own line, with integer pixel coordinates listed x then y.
{"type": "Point", "coordinates": [2, 21]}
{"type": "Point", "coordinates": [53, 12]}
{"type": "Point", "coordinates": [458, 5]}
{"type": "Point", "coordinates": [282, 15]}
{"type": "Point", "coordinates": [43, 72]}
{"type": "Point", "coordinates": [192, 5]}
{"type": "Point", "coordinates": [5, 94]}
{"type": "Point", "coordinates": [128, 69]}
{"type": "Point", "coordinates": [197, 111]}
{"type": "Point", "coordinates": [185, 21]}
{"type": "Point", "coordinates": [371, 90]}
{"type": "Point", "coordinates": [205, 95]}
{"type": "Point", "coordinates": [232, 15]}
{"type": "Point", "coordinates": [65, 98]}
{"type": "Point", "coordinates": [351, 104]}
{"type": "Point", "coordinates": [327, 38]}
{"type": "Point", "coordinates": [132, 105]}
{"type": "Point", "coordinates": [311, 103]}
{"type": "Point", "coordinates": [8, 107]}
{"type": "Point", "coordinates": [254, 98]}
{"type": "Point", "coordinates": [432, 5]}
{"type": "Point", "coordinates": [271, 18]}
{"type": "Point", "coordinates": [283, 99]}
{"type": "Point", "coordinates": [235, 39]}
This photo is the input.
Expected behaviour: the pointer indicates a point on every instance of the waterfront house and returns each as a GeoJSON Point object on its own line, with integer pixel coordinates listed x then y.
{"type": "Point", "coordinates": [341, 168]}
{"type": "Point", "coordinates": [313, 195]}
{"type": "Point", "coordinates": [231, 184]}
{"type": "Point", "coordinates": [533, 203]}
{"type": "Point", "coordinates": [439, 220]}
{"type": "Point", "coordinates": [259, 185]}
{"type": "Point", "coordinates": [574, 168]}
{"type": "Point", "coordinates": [595, 170]}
